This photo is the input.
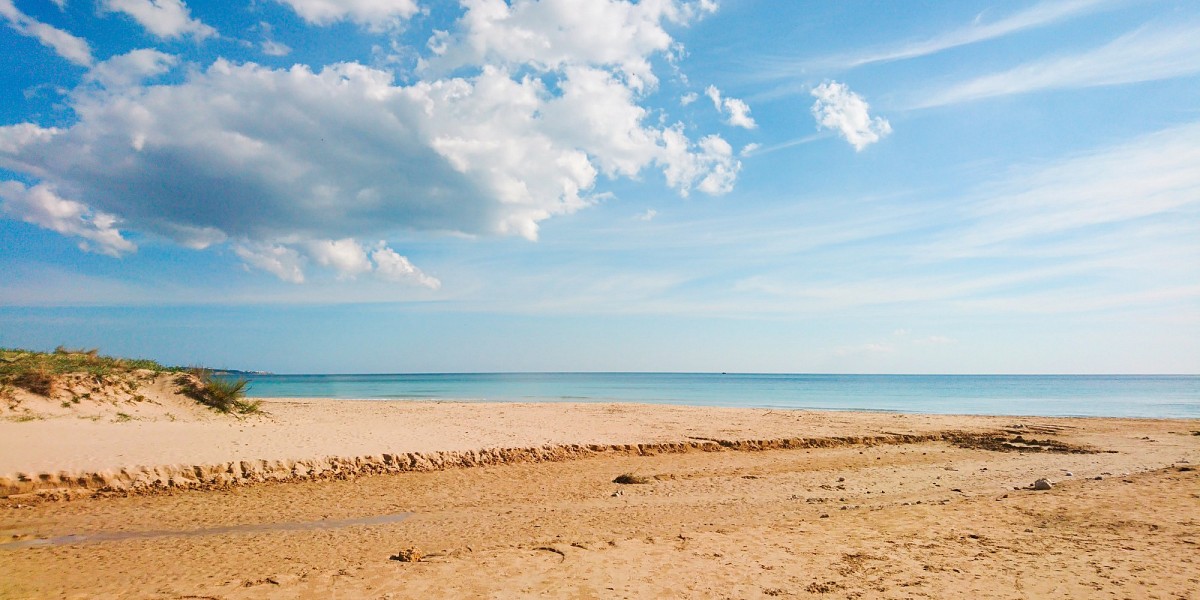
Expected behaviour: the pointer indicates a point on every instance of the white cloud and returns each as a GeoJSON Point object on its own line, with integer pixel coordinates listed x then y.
{"type": "Point", "coordinates": [846, 112]}
{"type": "Point", "coordinates": [163, 18]}
{"type": "Point", "coordinates": [714, 167]}
{"type": "Point", "coordinates": [646, 216]}
{"type": "Point", "coordinates": [739, 114]}
{"type": "Point", "coordinates": [738, 111]}
{"type": "Point", "coordinates": [392, 267]}
{"type": "Point", "coordinates": [13, 138]}
{"type": "Point", "coordinates": [717, 165]}
{"type": "Point", "coordinates": [281, 261]}
{"type": "Point", "coordinates": [273, 48]}
{"type": "Point", "coordinates": [439, 42]}
{"type": "Point", "coordinates": [131, 68]}
{"type": "Point", "coordinates": [1147, 54]}
{"type": "Point", "coordinates": [287, 164]}
{"type": "Point", "coordinates": [374, 14]}
{"type": "Point", "coordinates": [70, 47]}
{"type": "Point", "coordinates": [554, 34]}
{"type": "Point", "coordinates": [346, 256]}
{"type": "Point", "coordinates": [41, 206]}
{"type": "Point", "coordinates": [688, 98]}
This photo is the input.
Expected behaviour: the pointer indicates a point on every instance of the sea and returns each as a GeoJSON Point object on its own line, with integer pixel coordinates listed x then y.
{"type": "Point", "coordinates": [1147, 396]}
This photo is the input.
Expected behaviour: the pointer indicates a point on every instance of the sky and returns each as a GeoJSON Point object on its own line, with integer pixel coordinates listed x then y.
{"type": "Point", "coordinates": [380, 186]}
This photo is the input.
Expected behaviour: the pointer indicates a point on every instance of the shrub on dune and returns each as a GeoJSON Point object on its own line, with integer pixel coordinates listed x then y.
{"type": "Point", "coordinates": [219, 393]}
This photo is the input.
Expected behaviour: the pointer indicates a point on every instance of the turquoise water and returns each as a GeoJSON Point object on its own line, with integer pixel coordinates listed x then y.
{"type": "Point", "coordinates": [1165, 396]}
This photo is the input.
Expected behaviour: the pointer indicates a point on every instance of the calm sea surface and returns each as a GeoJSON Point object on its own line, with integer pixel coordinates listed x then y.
{"type": "Point", "coordinates": [1044, 395]}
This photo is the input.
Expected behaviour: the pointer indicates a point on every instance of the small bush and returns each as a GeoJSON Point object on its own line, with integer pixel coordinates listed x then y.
{"type": "Point", "coordinates": [218, 393]}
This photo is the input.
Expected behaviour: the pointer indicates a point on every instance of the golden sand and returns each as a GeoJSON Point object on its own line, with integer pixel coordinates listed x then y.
{"type": "Point", "coordinates": [518, 500]}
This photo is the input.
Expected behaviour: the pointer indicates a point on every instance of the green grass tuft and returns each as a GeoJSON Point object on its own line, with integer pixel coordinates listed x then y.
{"type": "Point", "coordinates": [219, 393]}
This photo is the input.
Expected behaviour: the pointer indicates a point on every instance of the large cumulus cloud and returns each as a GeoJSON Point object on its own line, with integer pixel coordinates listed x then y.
{"type": "Point", "coordinates": [307, 166]}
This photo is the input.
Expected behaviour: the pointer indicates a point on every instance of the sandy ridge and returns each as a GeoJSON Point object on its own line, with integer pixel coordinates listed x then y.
{"type": "Point", "coordinates": [163, 478]}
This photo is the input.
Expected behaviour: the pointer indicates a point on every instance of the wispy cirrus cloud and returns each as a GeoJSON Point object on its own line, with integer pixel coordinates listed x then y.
{"type": "Point", "coordinates": [979, 30]}
{"type": "Point", "coordinates": [1038, 15]}
{"type": "Point", "coordinates": [1150, 176]}
{"type": "Point", "coordinates": [1146, 54]}
{"type": "Point", "coordinates": [1116, 228]}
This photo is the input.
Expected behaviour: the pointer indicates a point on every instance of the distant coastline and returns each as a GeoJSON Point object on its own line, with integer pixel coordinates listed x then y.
{"type": "Point", "coordinates": [1140, 396]}
{"type": "Point", "coordinates": [238, 373]}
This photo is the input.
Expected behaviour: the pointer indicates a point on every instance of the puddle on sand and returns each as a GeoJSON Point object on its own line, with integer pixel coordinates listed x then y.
{"type": "Point", "coordinates": [113, 536]}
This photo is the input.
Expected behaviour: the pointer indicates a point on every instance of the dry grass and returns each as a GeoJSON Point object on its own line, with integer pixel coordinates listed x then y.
{"type": "Point", "coordinates": [42, 372]}
{"type": "Point", "coordinates": [37, 371]}
{"type": "Point", "coordinates": [37, 379]}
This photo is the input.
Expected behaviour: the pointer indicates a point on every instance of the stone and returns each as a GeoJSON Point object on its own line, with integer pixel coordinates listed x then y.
{"type": "Point", "coordinates": [1042, 484]}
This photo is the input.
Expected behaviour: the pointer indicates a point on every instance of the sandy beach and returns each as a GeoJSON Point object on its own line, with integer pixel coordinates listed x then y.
{"type": "Point", "coordinates": [320, 498]}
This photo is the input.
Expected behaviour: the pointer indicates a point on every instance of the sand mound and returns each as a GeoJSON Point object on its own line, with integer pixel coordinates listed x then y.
{"type": "Point", "coordinates": [139, 394]}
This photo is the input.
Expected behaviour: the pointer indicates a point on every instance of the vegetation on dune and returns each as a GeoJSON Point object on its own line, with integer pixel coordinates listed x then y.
{"type": "Point", "coordinates": [40, 373]}
{"type": "Point", "coordinates": [35, 367]}
{"type": "Point", "coordinates": [219, 393]}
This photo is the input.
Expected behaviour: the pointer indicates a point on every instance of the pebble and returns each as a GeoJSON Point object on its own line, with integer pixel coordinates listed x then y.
{"type": "Point", "coordinates": [1042, 484]}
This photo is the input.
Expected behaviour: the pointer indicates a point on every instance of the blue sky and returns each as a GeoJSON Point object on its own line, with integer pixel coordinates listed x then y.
{"type": "Point", "coordinates": [581, 185]}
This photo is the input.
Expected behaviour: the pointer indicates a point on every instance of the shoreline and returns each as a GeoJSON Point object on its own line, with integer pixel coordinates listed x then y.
{"type": "Point", "coordinates": [685, 404]}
